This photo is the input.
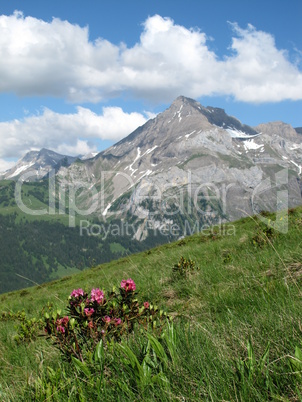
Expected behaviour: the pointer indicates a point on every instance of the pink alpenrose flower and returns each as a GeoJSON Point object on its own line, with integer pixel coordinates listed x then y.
{"type": "Point", "coordinates": [128, 285]}
{"type": "Point", "coordinates": [77, 293]}
{"type": "Point", "coordinates": [97, 295]}
{"type": "Point", "coordinates": [65, 320]}
{"type": "Point", "coordinates": [146, 305]}
{"type": "Point", "coordinates": [107, 319]}
{"type": "Point", "coordinates": [88, 311]}
{"type": "Point", "coordinates": [61, 329]}
{"type": "Point", "coordinates": [62, 321]}
{"type": "Point", "coordinates": [117, 321]}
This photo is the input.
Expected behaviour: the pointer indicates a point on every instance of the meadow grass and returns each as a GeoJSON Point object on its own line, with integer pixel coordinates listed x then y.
{"type": "Point", "coordinates": [237, 321]}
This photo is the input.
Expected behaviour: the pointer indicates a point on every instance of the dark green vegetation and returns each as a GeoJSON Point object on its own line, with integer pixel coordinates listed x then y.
{"type": "Point", "coordinates": [43, 251]}
{"type": "Point", "coordinates": [236, 333]}
{"type": "Point", "coordinates": [45, 248]}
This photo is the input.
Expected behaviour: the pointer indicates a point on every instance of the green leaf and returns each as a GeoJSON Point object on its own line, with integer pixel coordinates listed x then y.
{"type": "Point", "coordinates": [99, 355]}
{"type": "Point", "coordinates": [251, 359]}
{"type": "Point", "coordinates": [296, 361]}
{"type": "Point", "coordinates": [264, 357]}
{"type": "Point", "coordinates": [298, 353]}
{"type": "Point", "coordinates": [161, 379]}
{"type": "Point", "coordinates": [81, 366]}
{"type": "Point", "coordinates": [169, 337]}
{"type": "Point", "coordinates": [158, 349]}
{"type": "Point", "coordinates": [132, 359]}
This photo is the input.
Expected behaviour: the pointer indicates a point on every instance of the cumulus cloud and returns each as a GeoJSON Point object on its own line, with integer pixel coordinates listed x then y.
{"type": "Point", "coordinates": [57, 58]}
{"type": "Point", "coordinates": [258, 71]}
{"type": "Point", "coordinates": [70, 134]}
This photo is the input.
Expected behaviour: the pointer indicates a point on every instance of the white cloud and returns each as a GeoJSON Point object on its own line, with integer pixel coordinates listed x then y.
{"type": "Point", "coordinates": [5, 165]}
{"type": "Point", "coordinates": [79, 148]}
{"type": "Point", "coordinates": [258, 71]}
{"type": "Point", "coordinates": [57, 58]}
{"type": "Point", "coordinates": [71, 134]}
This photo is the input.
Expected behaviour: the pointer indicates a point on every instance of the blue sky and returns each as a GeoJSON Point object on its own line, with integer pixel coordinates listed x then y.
{"type": "Point", "coordinates": [78, 76]}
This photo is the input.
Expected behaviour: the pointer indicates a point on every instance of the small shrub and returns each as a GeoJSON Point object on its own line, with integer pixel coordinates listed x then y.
{"type": "Point", "coordinates": [265, 213]}
{"type": "Point", "coordinates": [184, 268]}
{"type": "Point", "coordinates": [263, 236]}
{"type": "Point", "coordinates": [298, 222]}
{"type": "Point", "coordinates": [99, 316]}
{"type": "Point", "coordinates": [28, 328]}
{"type": "Point", "coordinates": [227, 257]}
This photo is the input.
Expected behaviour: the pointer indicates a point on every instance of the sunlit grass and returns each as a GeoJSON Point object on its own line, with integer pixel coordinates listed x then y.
{"type": "Point", "coordinates": [243, 292]}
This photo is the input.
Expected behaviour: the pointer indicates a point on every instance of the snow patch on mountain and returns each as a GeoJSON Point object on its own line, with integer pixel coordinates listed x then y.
{"type": "Point", "coordinates": [88, 156]}
{"type": "Point", "coordinates": [106, 209]}
{"type": "Point", "coordinates": [296, 146]}
{"type": "Point", "coordinates": [20, 170]}
{"type": "Point", "coordinates": [240, 134]}
{"type": "Point", "coordinates": [136, 158]}
{"type": "Point", "coordinates": [188, 135]}
{"type": "Point", "coordinates": [251, 144]}
{"type": "Point", "coordinates": [298, 166]}
{"type": "Point", "coordinates": [150, 150]}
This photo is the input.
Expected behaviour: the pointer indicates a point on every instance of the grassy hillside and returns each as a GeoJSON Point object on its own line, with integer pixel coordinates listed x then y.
{"type": "Point", "coordinates": [236, 322]}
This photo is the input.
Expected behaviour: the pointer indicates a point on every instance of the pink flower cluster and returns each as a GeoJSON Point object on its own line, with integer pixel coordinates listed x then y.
{"type": "Point", "coordinates": [88, 311]}
{"type": "Point", "coordinates": [128, 285]}
{"type": "Point", "coordinates": [146, 305]}
{"type": "Point", "coordinates": [77, 293]}
{"type": "Point", "coordinates": [62, 324]}
{"type": "Point", "coordinates": [61, 329]}
{"type": "Point", "coordinates": [97, 295]}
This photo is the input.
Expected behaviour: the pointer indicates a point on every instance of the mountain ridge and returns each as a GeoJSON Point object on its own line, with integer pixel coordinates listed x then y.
{"type": "Point", "coordinates": [37, 164]}
{"type": "Point", "coordinates": [181, 157]}
{"type": "Point", "coordinates": [185, 138]}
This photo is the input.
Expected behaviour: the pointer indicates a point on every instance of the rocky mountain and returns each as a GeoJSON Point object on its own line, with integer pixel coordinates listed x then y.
{"type": "Point", "coordinates": [37, 165]}
{"type": "Point", "coordinates": [190, 165]}
{"type": "Point", "coordinates": [298, 130]}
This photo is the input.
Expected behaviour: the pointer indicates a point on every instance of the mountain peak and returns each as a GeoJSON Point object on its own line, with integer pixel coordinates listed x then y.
{"type": "Point", "coordinates": [215, 116]}
{"type": "Point", "coordinates": [183, 99]}
{"type": "Point", "coordinates": [40, 163]}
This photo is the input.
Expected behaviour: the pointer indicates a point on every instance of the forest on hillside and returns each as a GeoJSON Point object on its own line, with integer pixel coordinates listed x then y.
{"type": "Point", "coordinates": [41, 251]}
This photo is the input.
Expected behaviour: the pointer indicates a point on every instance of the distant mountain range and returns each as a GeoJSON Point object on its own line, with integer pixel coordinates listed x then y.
{"type": "Point", "coordinates": [38, 164]}
{"type": "Point", "coordinates": [189, 164]}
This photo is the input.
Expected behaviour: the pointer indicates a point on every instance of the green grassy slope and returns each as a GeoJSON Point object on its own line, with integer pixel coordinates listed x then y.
{"type": "Point", "coordinates": [248, 287]}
